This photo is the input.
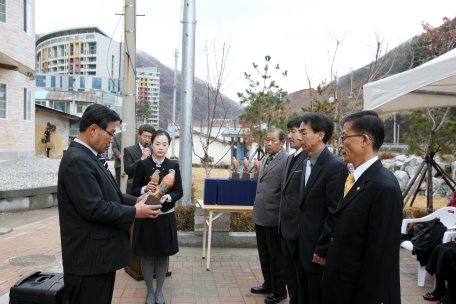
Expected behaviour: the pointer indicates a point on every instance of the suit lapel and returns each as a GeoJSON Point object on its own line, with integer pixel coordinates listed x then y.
{"type": "Point", "coordinates": [284, 182]}
{"type": "Point", "coordinates": [138, 151]}
{"type": "Point", "coordinates": [359, 185]}
{"type": "Point", "coordinates": [314, 173]}
{"type": "Point", "coordinates": [301, 157]}
{"type": "Point", "coordinates": [103, 168]}
{"type": "Point", "coordinates": [273, 163]}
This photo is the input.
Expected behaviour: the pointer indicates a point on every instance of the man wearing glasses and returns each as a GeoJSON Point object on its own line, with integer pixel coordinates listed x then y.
{"type": "Point", "coordinates": [362, 263]}
{"type": "Point", "coordinates": [94, 214]}
{"type": "Point", "coordinates": [137, 152]}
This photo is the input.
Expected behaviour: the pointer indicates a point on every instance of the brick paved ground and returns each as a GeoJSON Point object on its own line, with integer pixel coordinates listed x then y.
{"type": "Point", "coordinates": [229, 280]}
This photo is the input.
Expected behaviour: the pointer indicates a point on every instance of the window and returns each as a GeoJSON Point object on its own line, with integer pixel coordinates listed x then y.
{"type": "Point", "coordinates": [112, 66]}
{"type": "Point", "coordinates": [82, 82]}
{"type": "Point", "coordinates": [52, 81]}
{"type": "Point", "coordinates": [2, 14]}
{"type": "Point", "coordinates": [3, 100]}
{"type": "Point", "coordinates": [59, 105]}
{"type": "Point", "coordinates": [82, 48]}
{"type": "Point", "coordinates": [71, 49]}
{"type": "Point", "coordinates": [109, 85]}
{"type": "Point", "coordinates": [70, 82]}
{"type": "Point", "coordinates": [92, 48]}
{"type": "Point", "coordinates": [28, 17]}
{"type": "Point", "coordinates": [40, 102]}
{"type": "Point", "coordinates": [40, 81]}
{"type": "Point", "coordinates": [81, 108]}
{"type": "Point", "coordinates": [61, 80]}
{"type": "Point", "coordinates": [76, 48]}
{"type": "Point", "coordinates": [96, 83]}
{"type": "Point", "coordinates": [27, 104]}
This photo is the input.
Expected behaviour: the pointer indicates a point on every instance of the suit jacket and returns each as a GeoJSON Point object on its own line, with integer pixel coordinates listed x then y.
{"type": "Point", "coordinates": [362, 264]}
{"type": "Point", "coordinates": [132, 156]}
{"type": "Point", "coordinates": [94, 215]}
{"type": "Point", "coordinates": [144, 171]}
{"type": "Point", "coordinates": [267, 200]}
{"type": "Point", "coordinates": [117, 148]}
{"type": "Point", "coordinates": [290, 197]}
{"type": "Point", "coordinates": [319, 199]}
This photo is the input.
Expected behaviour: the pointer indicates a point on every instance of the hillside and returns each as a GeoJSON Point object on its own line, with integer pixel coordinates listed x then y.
{"type": "Point", "coordinates": [166, 93]}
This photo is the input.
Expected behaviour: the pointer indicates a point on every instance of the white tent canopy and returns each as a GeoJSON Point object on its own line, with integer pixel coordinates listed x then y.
{"type": "Point", "coordinates": [431, 85]}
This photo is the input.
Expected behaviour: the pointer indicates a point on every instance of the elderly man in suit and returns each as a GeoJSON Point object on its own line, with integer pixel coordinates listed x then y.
{"type": "Point", "coordinates": [266, 217]}
{"type": "Point", "coordinates": [94, 214]}
{"type": "Point", "coordinates": [137, 152]}
{"type": "Point", "coordinates": [322, 185]}
{"type": "Point", "coordinates": [117, 151]}
{"type": "Point", "coordinates": [363, 257]}
{"type": "Point", "coordinates": [289, 210]}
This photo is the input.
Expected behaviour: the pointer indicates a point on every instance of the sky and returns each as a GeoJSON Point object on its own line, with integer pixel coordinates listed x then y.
{"type": "Point", "coordinates": [295, 33]}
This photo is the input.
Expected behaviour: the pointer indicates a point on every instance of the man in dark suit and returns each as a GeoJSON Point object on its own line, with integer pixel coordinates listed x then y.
{"type": "Point", "coordinates": [117, 152]}
{"type": "Point", "coordinates": [266, 218]}
{"type": "Point", "coordinates": [363, 257]}
{"type": "Point", "coordinates": [322, 185]}
{"type": "Point", "coordinates": [94, 215]}
{"type": "Point", "coordinates": [289, 210]}
{"type": "Point", "coordinates": [137, 153]}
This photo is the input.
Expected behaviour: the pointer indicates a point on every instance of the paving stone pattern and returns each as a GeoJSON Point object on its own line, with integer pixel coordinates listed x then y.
{"type": "Point", "coordinates": [229, 280]}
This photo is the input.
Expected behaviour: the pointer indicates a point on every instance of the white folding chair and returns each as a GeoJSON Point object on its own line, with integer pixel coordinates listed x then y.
{"type": "Point", "coordinates": [447, 216]}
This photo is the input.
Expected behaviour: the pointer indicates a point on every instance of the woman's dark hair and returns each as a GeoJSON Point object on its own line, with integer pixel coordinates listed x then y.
{"type": "Point", "coordinates": [160, 133]}
{"type": "Point", "coordinates": [367, 122]}
{"type": "Point", "coordinates": [146, 128]}
{"type": "Point", "coordinates": [319, 122]}
{"type": "Point", "coordinates": [97, 114]}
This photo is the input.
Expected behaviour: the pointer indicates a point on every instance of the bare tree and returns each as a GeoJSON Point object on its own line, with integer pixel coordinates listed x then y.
{"type": "Point", "coordinates": [216, 62]}
{"type": "Point", "coordinates": [309, 80]}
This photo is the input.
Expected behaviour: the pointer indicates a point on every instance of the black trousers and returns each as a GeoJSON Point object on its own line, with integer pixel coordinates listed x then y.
{"type": "Point", "coordinates": [118, 176]}
{"type": "Point", "coordinates": [309, 283]}
{"type": "Point", "coordinates": [271, 259]}
{"type": "Point", "coordinates": [291, 264]}
{"type": "Point", "coordinates": [88, 289]}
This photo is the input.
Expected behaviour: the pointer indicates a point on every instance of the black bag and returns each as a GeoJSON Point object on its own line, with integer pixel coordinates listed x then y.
{"type": "Point", "coordinates": [39, 288]}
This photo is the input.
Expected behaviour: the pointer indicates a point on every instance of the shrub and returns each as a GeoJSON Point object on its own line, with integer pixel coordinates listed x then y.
{"type": "Point", "coordinates": [412, 213]}
{"type": "Point", "coordinates": [185, 217]}
{"type": "Point", "coordinates": [241, 222]}
{"type": "Point", "coordinates": [386, 155]}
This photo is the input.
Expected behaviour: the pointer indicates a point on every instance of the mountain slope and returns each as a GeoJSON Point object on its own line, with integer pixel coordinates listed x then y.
{"type": "Point", "coordinates": [166, 93]}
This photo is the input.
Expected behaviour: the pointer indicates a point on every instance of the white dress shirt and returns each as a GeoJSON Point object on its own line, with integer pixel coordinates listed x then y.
{"type": "Point", "coordinates": [297, 152]}
{"type": "Point", "coordinates": [360, 170]}
{"type": "Point", "coordinates": [86, 145]}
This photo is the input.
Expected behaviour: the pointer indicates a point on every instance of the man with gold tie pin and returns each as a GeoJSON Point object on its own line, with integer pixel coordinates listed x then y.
{"type": "Point", "coordinates": [362, 263]}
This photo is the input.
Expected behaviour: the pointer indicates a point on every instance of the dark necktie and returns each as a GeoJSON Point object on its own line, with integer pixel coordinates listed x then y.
{"type": "Point", "coordinates": [104, 162]}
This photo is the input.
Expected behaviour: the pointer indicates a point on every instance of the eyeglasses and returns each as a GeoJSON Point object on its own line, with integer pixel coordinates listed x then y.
{"type": "Point", "coordinates": [355, 135]}
{"type": "Point", "coordinates": [146, 137]}
{"type": "Point", "coordinates": [112, 135]}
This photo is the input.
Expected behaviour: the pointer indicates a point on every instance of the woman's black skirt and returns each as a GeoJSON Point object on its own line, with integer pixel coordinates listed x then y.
{"type": "Point", "coordinates": [155, 237]}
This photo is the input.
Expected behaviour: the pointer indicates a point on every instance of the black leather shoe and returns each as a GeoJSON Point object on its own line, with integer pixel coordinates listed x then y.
{"type": "Point", "coordinates": [260, 289]}
{"type": "Point", "coordinates": [275, 298]}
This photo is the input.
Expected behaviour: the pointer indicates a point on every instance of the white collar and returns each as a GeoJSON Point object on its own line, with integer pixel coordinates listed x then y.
{"type": "Point", "coordinates": [86, 145]}
{"type": "Point", "coordinates": [140, 146]}
{"type": "Point", "coordinates": [156, 162]}
{"type": "Point", "coordinates": [361, 169]}
{"type": "Point", "coordinates": [297, 152]}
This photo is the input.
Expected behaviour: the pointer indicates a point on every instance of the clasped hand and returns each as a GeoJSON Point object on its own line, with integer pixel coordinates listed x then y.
{"type": "Point", "coordinates": [151, 186]}
{"type": "Point", "coordinates": [318, 260]}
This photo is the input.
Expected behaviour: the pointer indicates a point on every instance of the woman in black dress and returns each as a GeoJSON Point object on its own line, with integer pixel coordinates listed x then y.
{"type": "Point", "coordinates": [156, 237]}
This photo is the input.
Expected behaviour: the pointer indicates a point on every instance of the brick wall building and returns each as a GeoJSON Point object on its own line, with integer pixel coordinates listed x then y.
{"type": "Point", "coordinates": [17, 79]}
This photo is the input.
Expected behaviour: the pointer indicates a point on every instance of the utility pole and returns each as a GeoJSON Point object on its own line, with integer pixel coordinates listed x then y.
{"type": "Point", "coordinates": [129, 82]}
{"type": "Point", "coordinates": [187, 83]}
{"type": "Point", "coordinates": [394, 127]}
{"type": "Point", "coordinates": [176, 55]}
{"type": "Point", "coordinates": [74, 101]}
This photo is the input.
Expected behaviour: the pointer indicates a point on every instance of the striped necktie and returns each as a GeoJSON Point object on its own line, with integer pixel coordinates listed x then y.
{"type": "Point", "coordinates": [104, 162]}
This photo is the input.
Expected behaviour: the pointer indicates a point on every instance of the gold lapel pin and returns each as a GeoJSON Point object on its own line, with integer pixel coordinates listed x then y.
{"type": "Point", "coordinates": [357, 188]}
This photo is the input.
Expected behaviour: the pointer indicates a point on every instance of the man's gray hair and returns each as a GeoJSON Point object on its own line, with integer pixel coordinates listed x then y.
{"type": "Point", "coordinates": [280, 131]}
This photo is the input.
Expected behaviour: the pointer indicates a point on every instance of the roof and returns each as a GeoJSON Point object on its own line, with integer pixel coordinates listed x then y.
{"type": "Point", "coordinates": [70, 31]}
{"type": "Point", "coordinates": [41, 94]}
{"type": "Point", "coordinates": [204, 134]}
{"type": "Point", "coordinates": [205, 123]}
{"type": "Point", "coordinates": [147, 70]}
{"type": "Point", "coordinates": [57, 112]}
{"type": "Point", "coordinates": [68, 96]}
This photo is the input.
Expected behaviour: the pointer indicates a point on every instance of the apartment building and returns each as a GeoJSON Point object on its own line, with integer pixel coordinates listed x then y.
{"type": "Point", "coordinates": [17, 79]}
{"type": "Point", "coordinates": [88, 49]}
{"type": "Point", "coordinates": [148, 80]}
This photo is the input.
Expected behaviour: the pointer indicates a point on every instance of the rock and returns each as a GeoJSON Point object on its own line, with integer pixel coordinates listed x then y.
{"type": "Point", "coordinates": [444, 166]}
{"type": "Point", "coordinates": [398, 165]}
{"type": "Point", "coordinates": [402, 178]}
{"type": "Point", "coordinates": [400, 157]}
{"type": "Point", "coordinates": [438, 190]}
{"type": "Point", "coordinates": [453, 169]}
{"type": "Point", "coordinates": [389, 164]}
{"type": "Point", "coordinates": [412, 165]}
